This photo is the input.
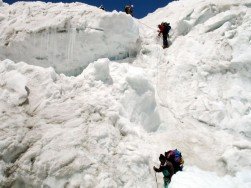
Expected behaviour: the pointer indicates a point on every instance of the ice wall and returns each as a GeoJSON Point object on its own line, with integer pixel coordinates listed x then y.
{"type": "Point", "coordinates": [65, 36]}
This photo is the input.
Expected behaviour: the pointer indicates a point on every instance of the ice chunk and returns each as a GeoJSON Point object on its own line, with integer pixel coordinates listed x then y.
{"type": "Point", "coordinates": [138, 81]}
{"type": "Point", "coordinates": [139, 101]}
{"type": "Point", "coordinates": [102, 71]}
{"type": "Point", "coordinates": [13, 87]}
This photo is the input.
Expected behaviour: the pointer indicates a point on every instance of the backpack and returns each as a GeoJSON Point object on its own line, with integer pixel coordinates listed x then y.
{"type": "Point", "coordinates": [176, 158]}
{"type": "Point", "coordinates": [167, 26]}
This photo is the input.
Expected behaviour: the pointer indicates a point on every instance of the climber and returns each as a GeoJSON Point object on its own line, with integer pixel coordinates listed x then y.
{"type": "Point", "coordinates": [175, 157]}
{"type": "Point", "coordinates": [164, 29]}
{"type": "Point", "coordinates": [166, 168]}
{"type": "Point", "coordinates": [102, 7]}
{"type": "Point", "coordinates": [129, 9]}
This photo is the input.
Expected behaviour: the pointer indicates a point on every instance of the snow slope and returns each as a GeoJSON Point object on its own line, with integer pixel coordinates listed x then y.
{"type": "Point", "coordinates": [65, 36]}
{"type": "Point", "coordinates": [211, 54]}
{"type": "Point", "coordinates": [107, 126]}
{"type": "Point", "coordinates": [200, 81]}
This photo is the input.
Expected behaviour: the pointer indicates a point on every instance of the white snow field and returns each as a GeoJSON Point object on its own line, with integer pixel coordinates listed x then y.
{"type": "Point", "coordinates": [126, 100]}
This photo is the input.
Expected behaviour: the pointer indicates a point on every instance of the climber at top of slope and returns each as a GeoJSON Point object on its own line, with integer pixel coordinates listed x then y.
{"type": "Point", "coordinates": [102, 7]}
{"type": "Point", "coordinates": [129, 9]}
{"type": "Point", "coordinates": [166, 168]}
{"type": "Point", "coordinates": [164, 29]}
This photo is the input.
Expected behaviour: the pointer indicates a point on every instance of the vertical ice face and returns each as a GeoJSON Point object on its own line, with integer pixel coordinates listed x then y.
{"type": "Point", "coordinates": [66, 37]}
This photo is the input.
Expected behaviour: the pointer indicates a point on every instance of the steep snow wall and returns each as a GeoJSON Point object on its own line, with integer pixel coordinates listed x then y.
{"type": "Point", "coordinates": [206, 72]}
{"type": "Point", "coordinates": [91, 130]}
{"type": "Point", "coordinates": [65, 36]}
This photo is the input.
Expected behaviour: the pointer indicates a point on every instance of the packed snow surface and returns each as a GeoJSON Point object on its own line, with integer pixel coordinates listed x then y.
{"type": "Point", "coordinates": [107, 126]}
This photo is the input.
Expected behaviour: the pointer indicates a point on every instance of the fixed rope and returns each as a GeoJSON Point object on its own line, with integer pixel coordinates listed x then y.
{"type": "Point", "coordinates": [147, 25]}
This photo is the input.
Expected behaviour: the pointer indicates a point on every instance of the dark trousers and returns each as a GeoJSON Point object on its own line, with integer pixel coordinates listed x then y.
{"type": "Point", "coordinates": [165, 42]}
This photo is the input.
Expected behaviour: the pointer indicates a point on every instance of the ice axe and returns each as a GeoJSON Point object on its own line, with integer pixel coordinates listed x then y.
{"type": "Point", "coordinates": [156, 179]}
